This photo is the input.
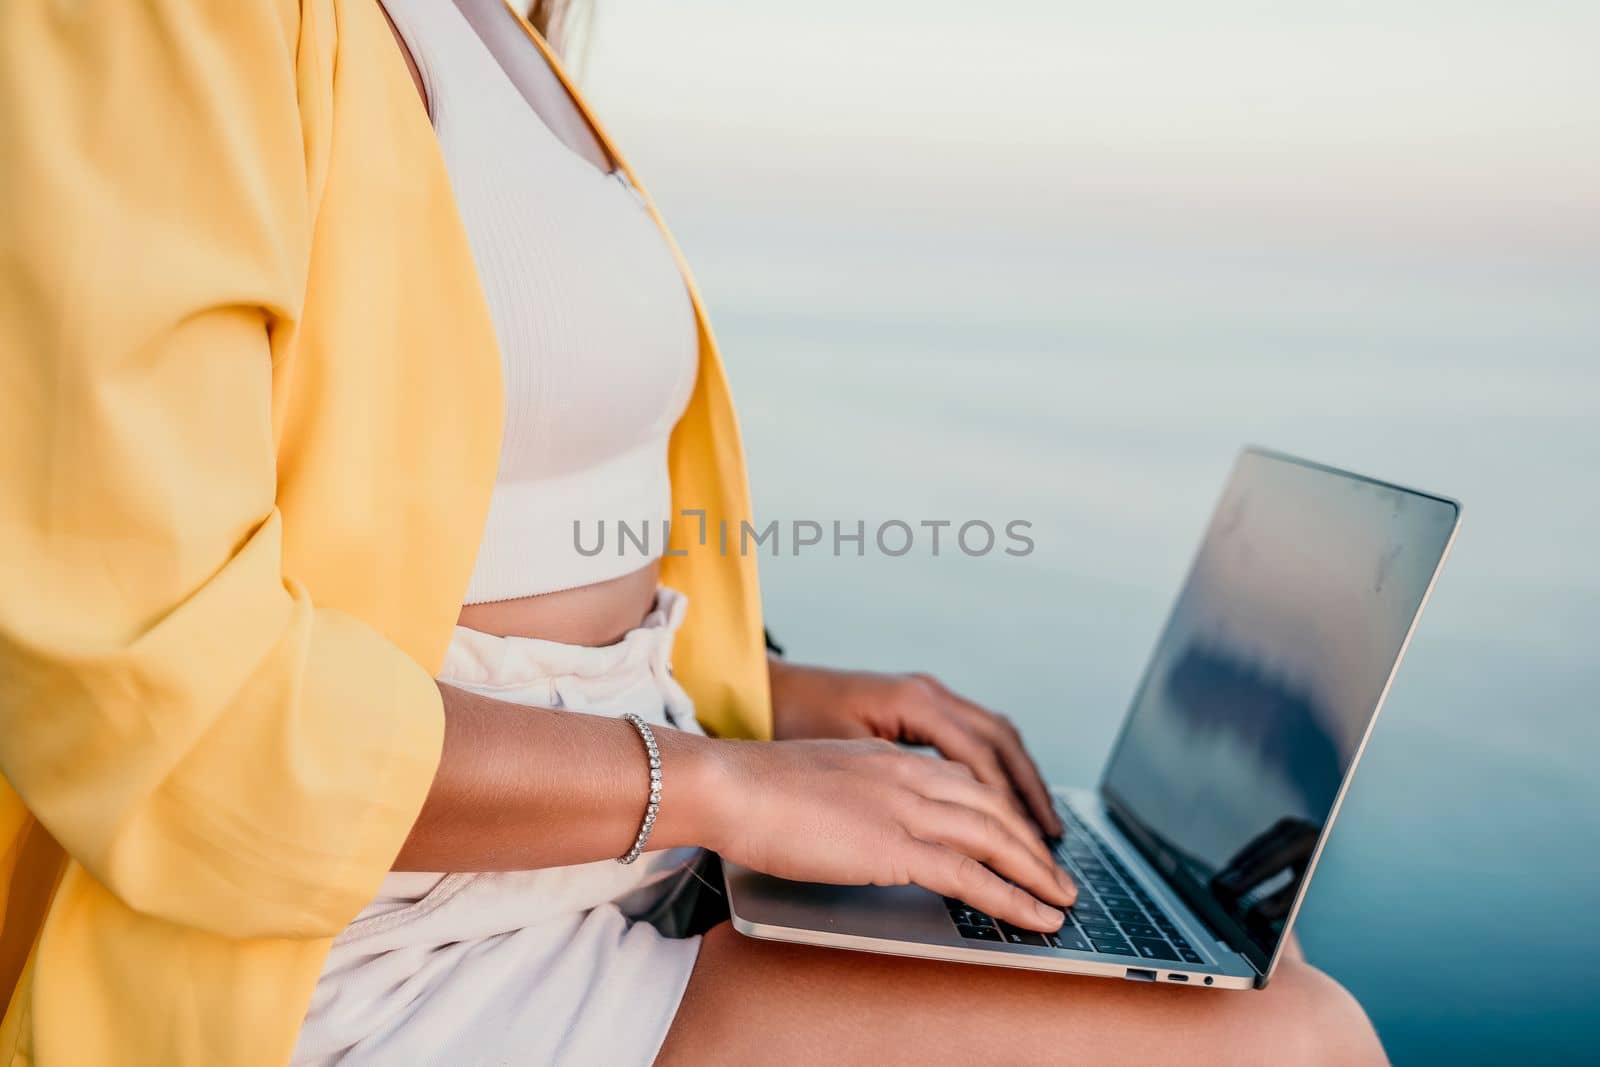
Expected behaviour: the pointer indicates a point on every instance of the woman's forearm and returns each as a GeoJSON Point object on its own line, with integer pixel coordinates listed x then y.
{"type": "Point", "coordinates": [521, 788]}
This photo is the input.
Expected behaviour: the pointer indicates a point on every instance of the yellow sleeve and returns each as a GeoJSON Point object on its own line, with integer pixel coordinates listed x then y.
{"type": "Point", "coordinates": [212, 746]}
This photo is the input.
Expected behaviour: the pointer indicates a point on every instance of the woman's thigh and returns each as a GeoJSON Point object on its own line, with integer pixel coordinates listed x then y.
{"type": "Point", "coordinates": [762, 1002]}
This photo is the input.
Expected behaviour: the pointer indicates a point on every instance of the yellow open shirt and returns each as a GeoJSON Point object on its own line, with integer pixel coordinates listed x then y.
{"type": "Point", "coordinates": [250, 406]}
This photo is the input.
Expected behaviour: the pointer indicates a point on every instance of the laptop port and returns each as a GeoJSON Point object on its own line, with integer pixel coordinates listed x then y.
{"type": "Point", "coordinates": [1139, 974]}
{"type": "Point", "coordinates": [1177, 978]}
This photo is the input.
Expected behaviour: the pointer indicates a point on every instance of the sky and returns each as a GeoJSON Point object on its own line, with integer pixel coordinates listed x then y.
{"type": "Point", "coordinates": [1457, 124]}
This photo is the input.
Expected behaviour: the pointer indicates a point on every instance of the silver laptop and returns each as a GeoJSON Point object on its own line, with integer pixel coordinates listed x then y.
{"type": "Point", "coordinates": [1194, 852]}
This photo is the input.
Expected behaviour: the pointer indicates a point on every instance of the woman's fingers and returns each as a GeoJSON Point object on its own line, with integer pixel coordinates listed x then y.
{"type": "Point", "coordinates": [987, 839]}
{"type": "Point", "coordinates": [957, 742]}
{"type": "Point", "coordinates": [1000, 802]}
{"type": "Point", "coordinates": [1022, 774]}
{"type": "Point", "coordinates": [949, 873]}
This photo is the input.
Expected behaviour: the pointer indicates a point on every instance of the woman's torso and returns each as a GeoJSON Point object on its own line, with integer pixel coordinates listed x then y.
{"type": "Point", "coordinates": [598, 614]}
{"type": "Point", "coordinates": [596, 331]}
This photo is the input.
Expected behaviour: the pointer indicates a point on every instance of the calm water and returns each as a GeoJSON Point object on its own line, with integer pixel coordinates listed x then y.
{"type": "Point", "coordinates": [880, 382]}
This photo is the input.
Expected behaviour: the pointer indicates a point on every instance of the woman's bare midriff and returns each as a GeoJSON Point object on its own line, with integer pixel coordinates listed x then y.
{"type": "Point", "coordinates": [595, 615]}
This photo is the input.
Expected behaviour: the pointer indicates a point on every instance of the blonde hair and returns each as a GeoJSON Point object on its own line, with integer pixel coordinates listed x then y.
{"type": "Point", "coordinates": [558, 21]}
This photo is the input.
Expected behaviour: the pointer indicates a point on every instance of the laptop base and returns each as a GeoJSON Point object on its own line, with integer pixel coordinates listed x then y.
{"type": "Point", "coordinates": [911, 921]}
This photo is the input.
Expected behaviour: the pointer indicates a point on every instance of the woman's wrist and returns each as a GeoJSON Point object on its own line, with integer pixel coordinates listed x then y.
{"type": "Point", "coordinates": [695, 786]}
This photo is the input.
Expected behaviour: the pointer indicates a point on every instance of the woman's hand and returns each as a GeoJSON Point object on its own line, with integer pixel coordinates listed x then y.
{"type": "Point", "coordinates": [816, 702]}
{"type": "Point", "coordinates": [870, 813]}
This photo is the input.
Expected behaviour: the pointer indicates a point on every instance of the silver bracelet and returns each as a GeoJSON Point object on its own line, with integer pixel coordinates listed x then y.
{"type": "Point", "coordinates": [654, 806]}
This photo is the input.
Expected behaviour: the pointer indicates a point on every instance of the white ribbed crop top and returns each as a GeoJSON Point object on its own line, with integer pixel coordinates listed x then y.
{"type": "Point", "coordinates": [598, 341]}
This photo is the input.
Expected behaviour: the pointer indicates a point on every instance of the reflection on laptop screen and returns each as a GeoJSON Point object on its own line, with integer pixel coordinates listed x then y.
{"type": "Point", "coordinates": [1266, 679]}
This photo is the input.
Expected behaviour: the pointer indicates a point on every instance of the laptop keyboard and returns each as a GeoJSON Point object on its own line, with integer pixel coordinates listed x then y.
{"type": "Point", "coordinates": [1113, 914]}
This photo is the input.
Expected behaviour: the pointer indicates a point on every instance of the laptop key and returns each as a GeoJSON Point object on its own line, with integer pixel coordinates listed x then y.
{"type": "Point", "coordinates": [1114, 945]}
{"type": "Point", "coordinates": [1069, 939]}
{"type": "Point", "coordinates": [1018, 936]}
{"type": "Point", "coordinates": [1189, 955]}
{"type": "Point", "coordinates": [1154, 950]}
{"type": "Point", "coordinates": [1141, 930]}
{"type": "Point", "coordinates": [1127, 915]}
{"type": "Point", "coordinates": [979, 933]}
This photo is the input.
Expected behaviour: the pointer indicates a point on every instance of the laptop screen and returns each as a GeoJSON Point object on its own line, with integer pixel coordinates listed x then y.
{"type": "Point", "coordinates": [1262, 687]}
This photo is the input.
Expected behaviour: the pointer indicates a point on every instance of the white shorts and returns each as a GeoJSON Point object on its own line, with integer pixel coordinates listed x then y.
{"type": "Point", "coordinates": [562, 965]}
